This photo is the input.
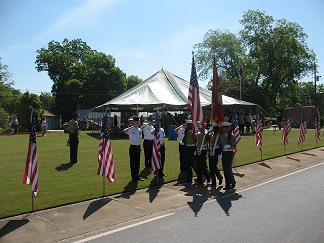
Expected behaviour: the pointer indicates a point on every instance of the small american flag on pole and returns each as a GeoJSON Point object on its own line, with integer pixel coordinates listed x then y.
{"type": "Point", "coordinates": [31, 170]}
{"type": "Point", "coordinates": [258, 134]}
{"type": "Point", "coordinates": [285, 131]}
{"type": "Point", "coordinates": [156, 154]}
{"type": "Point", "coordinates": [317, 126]}
{"type": "Point", "coordinates": [236, 130]}
{"type": "Point", "coordinates": [302, 130]}
{"type": "Point", "coordinates": [193, 96]}
{"type": "Point", "coordinates": [106, 165]}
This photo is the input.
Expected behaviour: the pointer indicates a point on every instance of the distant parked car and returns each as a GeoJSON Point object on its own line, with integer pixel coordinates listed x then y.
{"type": "Point", "coordinates": [88, 125]}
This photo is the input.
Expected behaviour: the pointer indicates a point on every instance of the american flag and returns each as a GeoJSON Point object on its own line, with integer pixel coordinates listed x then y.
{"type": "Point", "coordinates": [193, 96]}
{"type": "Point", "coordinates": [217, 102]}
{"type": "Point", "coordinates": [317, 126]}
{"type": "Point", "coordinates": [235, 127]}
{"type": "Point", "coordinates": [106, 165]}
{"type": "Point", "coordinates": [302, 132]}
{"type": "Point", "coordinates": [31, 170]}
{"type": "Point", "coordinates": [258, 134]}
{"type": "Point", "coordinates": [156, 154]}
{"type": "Point", "coordinates": [285, 131]}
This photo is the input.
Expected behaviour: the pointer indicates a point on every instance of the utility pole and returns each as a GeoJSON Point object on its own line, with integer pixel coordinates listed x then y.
{"type": "Point", "coordinates": [315, 79]}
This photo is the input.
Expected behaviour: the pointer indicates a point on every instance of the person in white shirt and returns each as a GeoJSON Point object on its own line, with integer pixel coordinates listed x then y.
{"type": "Point", "coordinates": [181, 132]}
{"type": "Point", "coordinates": [134, 133]}
{"type": "Point", "coordinates": [148, 142]}
{"type": "Point", "coordinates": [44, 127]}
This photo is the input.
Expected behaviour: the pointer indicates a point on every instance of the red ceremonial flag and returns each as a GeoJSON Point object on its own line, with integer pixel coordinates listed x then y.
{"type": "Point", "coordinates": [317, 126]}
{"type": "Point", "coordinates": [106, 165]}
{"type": "Point", "coordinates": [193, 96]}
{"type": "Point", "coordinates": [31, 169]}
{"type": "Point", "coordinates": [217, 101]}
{"type": "Point", "coordinates": [258, 134]}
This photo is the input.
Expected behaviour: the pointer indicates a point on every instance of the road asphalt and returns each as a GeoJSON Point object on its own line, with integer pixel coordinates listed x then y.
{"type": "Point", "coordinates": [288, 209]}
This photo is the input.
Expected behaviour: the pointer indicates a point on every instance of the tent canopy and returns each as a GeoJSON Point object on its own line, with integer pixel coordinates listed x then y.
{"type": "Point", "coordinates": [163, 90]}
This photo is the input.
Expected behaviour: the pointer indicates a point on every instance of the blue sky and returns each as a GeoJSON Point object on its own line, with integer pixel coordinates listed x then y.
{"type": "Point", "coordinates": [143, 35]}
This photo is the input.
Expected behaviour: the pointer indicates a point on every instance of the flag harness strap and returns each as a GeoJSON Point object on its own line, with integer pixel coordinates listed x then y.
{"type": "Point", "coordinates": [214, 147]}
{"type": "Point", "coordinates": [202, 144]}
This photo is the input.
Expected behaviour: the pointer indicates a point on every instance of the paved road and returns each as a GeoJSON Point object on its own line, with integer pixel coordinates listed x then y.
{"type": "Point", "coordinates": [290, 209]}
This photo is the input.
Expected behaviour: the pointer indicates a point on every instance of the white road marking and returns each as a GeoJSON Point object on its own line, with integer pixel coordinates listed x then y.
{"type": "Point", "coordinates": [123, 228]}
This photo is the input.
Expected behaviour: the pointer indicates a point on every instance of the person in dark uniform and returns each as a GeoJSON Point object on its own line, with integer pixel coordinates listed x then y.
{"type": "Point", "coordinates": [134, 133]}
{"type": "Point", "coordinates": [73, 139]}
{"type": "Point", "coordinates": [181, 131]}
{"type": "Point", "coordinates": [148, 142]}
{"type": "Point", "coordinates": [228, 146]}
{"type": "Point", "coordinates": [214, 153]}
{"type": "Point", "coordinates": [201, 155]}
{"type": "Point", "coordinates": [190, 149]}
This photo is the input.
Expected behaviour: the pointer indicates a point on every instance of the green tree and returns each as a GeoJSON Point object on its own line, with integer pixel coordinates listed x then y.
{"type": "Point", "coordinates": [4, 118]}
{"type": "Point", "coordinates": [132, 81]}
{"type": "Point", "coordinates": [28, 102]}
{"type": "Point", "coordinates": [48, 101]}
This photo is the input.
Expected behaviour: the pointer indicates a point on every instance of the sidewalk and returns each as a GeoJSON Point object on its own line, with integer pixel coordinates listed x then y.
{"type": "Point", "coordinates": [76, 221]}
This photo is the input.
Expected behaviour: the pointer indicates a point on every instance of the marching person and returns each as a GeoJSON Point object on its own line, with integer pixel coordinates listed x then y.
{"type": "Point", "coordinates": [214, 153]}
{"type": "Point", "coordinates": [148, 142]}
{"type": "Point", "coordinates": [134, 133]}
{"type": "Point", "coordinates": [201, 155]}
{"type": "Point", "coordinates": [73, 138]}
{"type": "Point", "coordinates": [228, 146]}
{"type": "Point", "coordinates": [190, 149]}
{"type": "Point", "coordinates": [181, 131]}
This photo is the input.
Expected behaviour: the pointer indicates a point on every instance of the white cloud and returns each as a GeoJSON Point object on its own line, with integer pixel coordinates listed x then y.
{"type": "Point", "coordinates": [83, 16]}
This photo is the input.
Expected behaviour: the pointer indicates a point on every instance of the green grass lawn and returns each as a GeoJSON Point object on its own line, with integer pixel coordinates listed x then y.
{"type": "Point", "coordinates": [80, 182]}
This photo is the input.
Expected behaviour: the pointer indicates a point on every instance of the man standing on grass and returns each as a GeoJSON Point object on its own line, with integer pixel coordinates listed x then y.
{"type": "Point", "coordinates": [180, 131]}
{"type": "Point", "coordinates": [73, 138]}
{"type": "Point", "coordinates": [148, 142]}
{"type": "Point", "coordinates": [134, 133]}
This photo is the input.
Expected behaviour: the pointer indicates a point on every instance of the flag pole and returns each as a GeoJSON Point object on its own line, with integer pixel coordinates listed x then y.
{"type": "Point", "coordinates": [32, 194]}
{"type": "Point", "coordinates": [284, 149]}
{"type": "Point", "coordinates": [261, 154]}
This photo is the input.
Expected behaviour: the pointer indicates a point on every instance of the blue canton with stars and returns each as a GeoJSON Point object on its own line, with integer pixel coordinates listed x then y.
{"type": "Point", "coordinates": [193, 76]}
{"type": "Point", "coordinates": [32, 136]}
{"type": "Point", "coordinates": [105, 128]}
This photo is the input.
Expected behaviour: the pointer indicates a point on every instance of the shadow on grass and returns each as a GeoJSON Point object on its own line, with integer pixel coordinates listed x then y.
{"type": "Point", "coordinates": [288, 157]}
{"type": "Point", "coordinates": [154, 187]}
{"type": "Point", "coordinates": [129, 190]}
{"type": "Point", "coordinates": [95, 135]}
{"type": "Point", "coordinates": [65, 166]}
{"type": "Point", "coordinates": [265, 165]}
{"type": "Point", "coordinates": [95, 206]}
{"type": "Point", "coordinates": [12, 225]}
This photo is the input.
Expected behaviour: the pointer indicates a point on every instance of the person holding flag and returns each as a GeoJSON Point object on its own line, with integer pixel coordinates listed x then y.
{"type": "Point", "coordinates": [158, 154]}
{"type": "Point", "coordinates": [228, 146]}
{"type": "Point", "coordinates": [201, 154]}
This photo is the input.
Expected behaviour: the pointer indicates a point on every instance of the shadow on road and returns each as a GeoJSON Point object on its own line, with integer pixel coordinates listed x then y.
{"type": "Point", "coordinates": [298, 160]}
{"type": "Point", "coordinates": [155, 187]}
{"type": "Point", "coordinates": [225, 201]}
{"type": "Point", "coordinates": [95, 206]}
{"type": "Point", "coordinates": [265, 165]}
{"type": "Point", "coordinates": [12, 225]}
{"type": "Point", "coordinates": [309, 154]}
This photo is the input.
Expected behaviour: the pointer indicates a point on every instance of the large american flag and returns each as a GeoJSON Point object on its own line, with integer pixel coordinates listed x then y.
{"type": "Point", "coordinates": [302, 132]}
{"type": "Point", "coordinates": [193, 96]}
{"type": "Point", "coordinates": [156, 154]}
{"type": "Point", "coordinates": [258, 134]}
{"type": "Point", "coordinates": [235, 127]}
{"type": "Point", "coordinates": [217, 102]}
{"type": "Point", "coordinates": [31, 170]}
{"type": "Point", "coordinates": [106, 165]}
{"type": "Point", "coordinates": [285, 131]}
{"type": "Point", "coordinates": [317, 126]}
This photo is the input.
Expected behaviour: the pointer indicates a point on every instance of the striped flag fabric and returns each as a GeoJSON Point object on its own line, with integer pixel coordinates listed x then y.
{"type": "Point", "coordinates": [285, 131]}
{"type": "Point", "coordinates": [258, 134]}
{"type": "Point", "coordinates": [302, 132]}
{"type": "Point", "coordinates": [235, 128]}
{"type": "Point", "coordinates": [31, 168]}
{"type": "Point", "coordinates": [317, 126]}
{"type": "Point", "coordinates": [217, 102]}
{"type": "Point", "coordinates": [156, 153]}
{"type": "Point", "coordinates": [106, 165]}
{"type": "Point", "coordinates": [193, 96]}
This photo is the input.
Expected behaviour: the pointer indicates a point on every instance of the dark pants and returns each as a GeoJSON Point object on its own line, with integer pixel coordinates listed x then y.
{"type": "Point", "coordinates": [202, 168]}
{"type": "Point", "coordinates": [241, 127]}
{"type": "Point", "coordinates": [148, 147]}
{"type": "Point", "coordinates": [74, 142]}
{"type": "Point", "coordinates": [214, 171]}
{"type": "Point", "coordinates": [190, 161]}
{"type": "Point", "coordinates": [162, 159]}
{"type": "Point", "coordinates": [134, 160]}
{"type": "Point", "coordinates": [248, 125]}
{"type": "Point", "coordinates": [227, 161]}
{"type": "Point", "coordinates": [182, 153]}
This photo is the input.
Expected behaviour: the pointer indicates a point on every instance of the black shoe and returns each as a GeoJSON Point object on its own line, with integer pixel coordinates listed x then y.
{"type": "Point", "coordinates": [227, 188]}
{"type": "Point", "coordinates": [220, 181]}
{"type": "Point", "coordinates": [233, 185]}
{"type": "Point", "coordinates": [213, 185]}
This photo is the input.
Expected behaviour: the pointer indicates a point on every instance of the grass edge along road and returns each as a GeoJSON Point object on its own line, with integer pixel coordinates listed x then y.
{"type": "Point", "coordinates": [60, 184]}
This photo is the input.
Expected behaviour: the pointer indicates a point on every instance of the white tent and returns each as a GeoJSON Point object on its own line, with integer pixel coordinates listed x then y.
{"type": "Point", "coordinates": [163, 90]}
